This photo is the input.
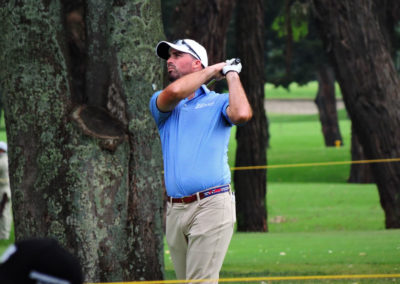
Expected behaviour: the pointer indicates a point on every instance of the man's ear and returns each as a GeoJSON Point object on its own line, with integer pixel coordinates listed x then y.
{"type": "Point", "coordinates": [196, 64]}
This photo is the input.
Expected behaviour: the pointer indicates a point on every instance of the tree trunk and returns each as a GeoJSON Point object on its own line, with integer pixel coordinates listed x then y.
{"type": "Point", "coordinates": [251, 185]}
{"type": "Point", "coordinates": [359, 173]}
{"type": "Point", "coordinates": [326, 103]}
{"type": "Point", "coordinates": [206, 22]}
{"type": "Point", "coordinates": [85, 159]}
{"type": "Point", "coordinates": [370, 86]}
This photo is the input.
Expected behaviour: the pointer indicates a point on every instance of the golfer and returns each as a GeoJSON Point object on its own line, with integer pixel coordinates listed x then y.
{"type": "Point", "coordinates": [194, 124]}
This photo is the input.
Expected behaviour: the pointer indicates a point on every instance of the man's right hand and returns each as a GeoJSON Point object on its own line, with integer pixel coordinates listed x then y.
{"type": "Point", "coordinates": [217, 71]}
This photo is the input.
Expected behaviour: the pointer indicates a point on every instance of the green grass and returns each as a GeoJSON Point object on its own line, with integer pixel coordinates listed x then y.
{"type": "Point", "coordinates": [316, 229]}
{"type": "Point", "coordinates": [297, 139]}
{"type": "Point", "coordinates": [3, 136]}
{"type": "Point", "coordinates": [308, 254]}
{"type": "Point", "coordinates": [311, 253]}
{"type": "Point", "coordinates": [300, 142]}
{"type": "Point", "coordinates": [295, 91]}
{"type": "Point", "coordinates": [5, 243]}
{"type": "Point", "coordinates": [257, 252]}
{"type": "Point", "coordinates": [323, 207]}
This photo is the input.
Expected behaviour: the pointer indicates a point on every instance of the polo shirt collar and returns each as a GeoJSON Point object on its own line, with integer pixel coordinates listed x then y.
{"type": "Point", "coordinates": [203, 90]}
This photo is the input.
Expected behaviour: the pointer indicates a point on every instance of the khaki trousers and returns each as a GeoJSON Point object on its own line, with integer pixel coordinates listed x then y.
{"type": "Point", "coordinates": [198, 235]}
{"type": "Point", "coordinates": [6, 216]}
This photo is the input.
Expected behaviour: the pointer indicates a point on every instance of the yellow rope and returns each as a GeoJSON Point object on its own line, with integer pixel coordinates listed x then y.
{"type": "Point", "coordinates": [314, 164]}
{"type": "Point", "coordinates": [271, 278]}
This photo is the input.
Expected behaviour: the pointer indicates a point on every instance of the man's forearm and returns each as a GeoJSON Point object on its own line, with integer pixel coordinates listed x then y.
{"type": "Point", "coordinates": [239, 110]}
{"type": "Point", "coordinates": [188, 84]}
{"type": "Point", "coordinates": [184, 87]}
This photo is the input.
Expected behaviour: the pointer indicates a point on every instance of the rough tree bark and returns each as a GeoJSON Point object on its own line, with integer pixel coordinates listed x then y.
{"type": "Point", "coordinates": [359, 173]}
{"type": "Point", "coordinates": [388, 13]}
{"type": "Point", "coordinates": [85, 160]}
{"type": "Point", "coordinates": [326, 104]}
{"type": "Point", "coordinates": [371, 88]}
{"type": "Point", "coordinates": [251, 185]}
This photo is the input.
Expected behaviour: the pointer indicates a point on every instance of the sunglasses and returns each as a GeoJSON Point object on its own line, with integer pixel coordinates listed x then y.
{"type": "Point", "coordinates": [182, 42]}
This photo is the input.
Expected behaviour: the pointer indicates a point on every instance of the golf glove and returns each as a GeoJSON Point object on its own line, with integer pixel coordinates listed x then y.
{"type": "Point", "coordinates": [232, 65]}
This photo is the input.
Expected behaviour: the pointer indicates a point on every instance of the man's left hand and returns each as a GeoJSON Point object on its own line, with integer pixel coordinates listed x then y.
{"type": "Point", "coordinates": [231, 65]}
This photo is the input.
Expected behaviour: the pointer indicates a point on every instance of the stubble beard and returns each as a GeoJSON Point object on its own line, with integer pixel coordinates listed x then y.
{"type": "Point", "coordinates": [172, 78]}
{"type": "Point", "coordinates": [173, 75]}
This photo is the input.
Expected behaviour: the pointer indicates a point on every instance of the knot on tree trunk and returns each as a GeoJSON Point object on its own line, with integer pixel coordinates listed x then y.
{"type": "Point", "coordinates": [96, 122]}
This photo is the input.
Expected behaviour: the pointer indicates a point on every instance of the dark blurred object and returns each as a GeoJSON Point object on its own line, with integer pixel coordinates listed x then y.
{"type": "Point", "coordinates": [37, 261]}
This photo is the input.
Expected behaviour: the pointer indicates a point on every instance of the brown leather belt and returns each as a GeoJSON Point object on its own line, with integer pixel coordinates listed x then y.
{"type": "Point", "coordinates": [200, 195]}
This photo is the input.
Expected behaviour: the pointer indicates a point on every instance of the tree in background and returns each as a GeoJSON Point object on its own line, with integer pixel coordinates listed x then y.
{"type": "Point", "coordinates": [309, 62]}
{"type": "Point", "coordinates": [353, 36]}
{"type": "Point", "coordinates": [388, 13]}
{"type": "Point", "coordinates": [251, 185]}
{"type": "Point", "coordinates": [326, 104]}
{"type": "Point", "coordinates": [85, 159]}
{"type": "Point", "coordinates": [295, 54]}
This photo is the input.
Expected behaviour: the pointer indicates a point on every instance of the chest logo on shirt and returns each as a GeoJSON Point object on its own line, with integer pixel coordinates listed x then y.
{"type": "Point", "coordinates": [202, 105]}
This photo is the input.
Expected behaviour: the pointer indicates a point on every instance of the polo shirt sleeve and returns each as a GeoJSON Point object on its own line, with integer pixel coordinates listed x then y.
{"type": "Point", "coordinates": [158, 115]}
{"type": "Point", "coordinates": [224, 107]}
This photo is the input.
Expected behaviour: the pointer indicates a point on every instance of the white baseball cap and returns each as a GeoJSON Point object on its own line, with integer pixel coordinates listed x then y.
{"type": "Point", "coordinates": [185, 45]}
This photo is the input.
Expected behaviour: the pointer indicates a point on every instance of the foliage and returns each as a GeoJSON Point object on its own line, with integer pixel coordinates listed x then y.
{"type": "Point", "coordinates": [294, 57]}
{"type": "Point", "coordinates": [299, 21]}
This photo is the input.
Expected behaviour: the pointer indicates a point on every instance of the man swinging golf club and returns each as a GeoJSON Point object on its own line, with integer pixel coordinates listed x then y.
{"type": "Point", "coordinates": [194, 124]}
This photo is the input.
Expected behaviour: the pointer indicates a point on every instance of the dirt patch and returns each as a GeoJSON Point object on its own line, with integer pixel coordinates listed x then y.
{"type": "Point", "coordinates": [294, 106]}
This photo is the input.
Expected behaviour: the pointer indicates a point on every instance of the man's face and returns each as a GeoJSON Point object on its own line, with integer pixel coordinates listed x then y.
{"type": "Point", "coordinates": [179, 64]}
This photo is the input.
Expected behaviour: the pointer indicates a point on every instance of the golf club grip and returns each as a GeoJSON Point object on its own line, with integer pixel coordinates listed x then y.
{"type": "Point", "coordinates": [237, 61]}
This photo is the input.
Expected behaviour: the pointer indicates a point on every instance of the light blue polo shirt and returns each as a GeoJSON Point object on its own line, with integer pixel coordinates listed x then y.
{"type": "Point", "coordinates": [194, 138]}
